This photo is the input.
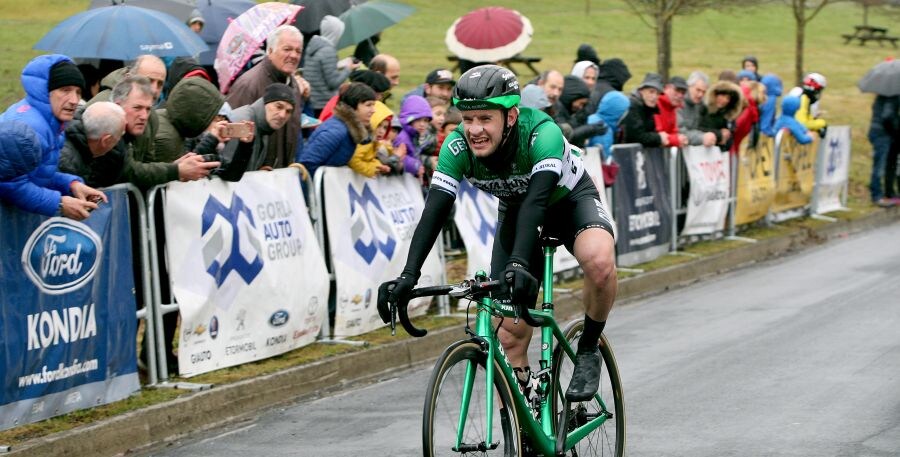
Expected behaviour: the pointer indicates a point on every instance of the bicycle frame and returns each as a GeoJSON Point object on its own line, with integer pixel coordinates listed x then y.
{"type": "Point", "coordinates": [542, 431]}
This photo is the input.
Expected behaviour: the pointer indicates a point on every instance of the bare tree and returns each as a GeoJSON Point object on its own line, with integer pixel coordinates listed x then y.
{"type": "Point", "coordinates": [804, 12]}
{"type": "Point", "coordinates": [658, 15]}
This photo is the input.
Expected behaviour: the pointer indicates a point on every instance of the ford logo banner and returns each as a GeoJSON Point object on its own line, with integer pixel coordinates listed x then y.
{"type": "Point", "coordinates": [279, 318]}
{"type": "Point", "coordinates": [61, 255]}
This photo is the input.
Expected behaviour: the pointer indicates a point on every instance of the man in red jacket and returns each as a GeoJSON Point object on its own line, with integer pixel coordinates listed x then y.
{"type": "Point", "coordinates": [671, 100]}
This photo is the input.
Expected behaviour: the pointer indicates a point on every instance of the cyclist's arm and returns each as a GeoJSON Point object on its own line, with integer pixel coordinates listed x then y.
{"type": "Point", "coordinates": [531, 215]}
{"type": "Point", "coordinates": [547, 151]}
{"type": "Point", "coordinates": [438, 207]}
{"type": "Point", "coordinates": [439, 204]}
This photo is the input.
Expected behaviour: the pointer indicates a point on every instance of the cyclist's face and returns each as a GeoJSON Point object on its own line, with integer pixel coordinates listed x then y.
{"type": "Point", "coordinates": [484, 129]}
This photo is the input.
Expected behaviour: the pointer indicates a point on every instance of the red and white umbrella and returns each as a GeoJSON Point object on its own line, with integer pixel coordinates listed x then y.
{"type": "Point", "coordinates": [489, 34]}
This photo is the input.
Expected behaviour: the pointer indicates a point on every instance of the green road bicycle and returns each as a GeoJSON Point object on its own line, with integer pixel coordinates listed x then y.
{"type": "Point", "coordinates": [473, 410]}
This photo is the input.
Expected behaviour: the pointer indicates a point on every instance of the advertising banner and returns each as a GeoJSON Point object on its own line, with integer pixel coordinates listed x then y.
{"type": "Point", "coordinates": [795, 173]}
{"type": "Point", "coordinates": [833, 170]}
{"type": "Point", "coordinates": [642, 209]}
{"type": "Point", "coordinates": [709, 171]}
{"type": "Point", "coordinates": [370, 223]}
{"type": "Point", "coordinates": [67, 312]}
{"type": "Point", "coordinates": [755, 180]}
{"type": "Point", "coordinates": [246, 269]}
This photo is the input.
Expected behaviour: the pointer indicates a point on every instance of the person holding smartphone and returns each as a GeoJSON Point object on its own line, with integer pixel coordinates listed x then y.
{"type": "Point", "coordinates": [267, 115]}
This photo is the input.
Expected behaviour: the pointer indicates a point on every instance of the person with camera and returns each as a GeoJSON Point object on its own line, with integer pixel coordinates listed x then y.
{"type": "Point", "coordinates": [267, 115]}
{"type": "Point", "coordinates": [321, 67]}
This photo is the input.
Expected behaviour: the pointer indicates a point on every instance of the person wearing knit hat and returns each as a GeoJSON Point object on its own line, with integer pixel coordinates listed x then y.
{"type": "Point", "coordinates": [334, 141]}
{"type": "Point", "coordinates": [52, 86]}
{"type": "Point", "coordinates": [588, 53]}
{"type": "Point", "coordinates": [377, 81]}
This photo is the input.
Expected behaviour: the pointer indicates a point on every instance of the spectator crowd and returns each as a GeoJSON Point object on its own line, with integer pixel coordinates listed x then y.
{"type": "Point", "coordinates": [153, 121]}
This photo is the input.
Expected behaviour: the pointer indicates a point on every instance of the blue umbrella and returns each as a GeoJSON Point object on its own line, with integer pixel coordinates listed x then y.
{"type": "Point", "coordinates": [216, 15]}
{"type": "Point", "coordinates": [121, 32]}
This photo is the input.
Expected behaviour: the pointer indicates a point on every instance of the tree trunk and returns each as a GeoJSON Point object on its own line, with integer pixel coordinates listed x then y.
{"type": "Point", "coordinates": [663, 46]}
{"type": "Point", "coordinates": [865, 14]}
{"type": "Point", "coordinates": [798, 68]}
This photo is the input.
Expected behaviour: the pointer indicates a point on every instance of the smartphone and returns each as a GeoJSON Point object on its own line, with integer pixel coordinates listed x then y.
{"type": "Point", "coordinates": [237, 130]}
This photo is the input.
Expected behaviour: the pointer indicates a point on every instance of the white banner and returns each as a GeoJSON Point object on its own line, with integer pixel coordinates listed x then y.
{"type": "Point", "coordinates": [245, 267]}
{"type": "Point", "coordinates": [709, 171]}
{"type": "Point", "coordinates": [592, 164]}
{"type": "Point", "coordinates": [475, 217]}
{"type": "Point", "coordinates": [370, 223]}
{"type": "Point", "coordinates": [833, 170]}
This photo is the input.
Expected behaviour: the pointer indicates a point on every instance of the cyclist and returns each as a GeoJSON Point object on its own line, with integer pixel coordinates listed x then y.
{"type": "Point", "coordinates": [520, 156]}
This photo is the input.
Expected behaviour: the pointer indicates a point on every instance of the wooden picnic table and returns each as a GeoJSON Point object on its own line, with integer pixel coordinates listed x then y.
{"type": "Point", "coordinates": [508, 63]}
{"type": "Point", "coordinates": [864, 33]}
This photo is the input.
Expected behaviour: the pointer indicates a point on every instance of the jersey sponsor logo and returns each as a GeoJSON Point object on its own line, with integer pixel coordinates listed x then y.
{"type": "Point", "coordinates": [457, 145]}
{"type": "Point", "coordinates": [514, 185]}
{"type": "Point", "coordinates": [554, 165]}
{"type": "Point", "coordinates": [446, 182]}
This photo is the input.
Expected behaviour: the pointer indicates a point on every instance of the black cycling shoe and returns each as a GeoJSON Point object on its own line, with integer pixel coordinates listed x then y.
{"type": "Point", "coordinates": [585, 376]}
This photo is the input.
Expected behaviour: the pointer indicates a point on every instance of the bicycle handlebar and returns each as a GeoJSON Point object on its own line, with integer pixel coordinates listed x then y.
{"type": "Point", "coordinates": [471, 288]}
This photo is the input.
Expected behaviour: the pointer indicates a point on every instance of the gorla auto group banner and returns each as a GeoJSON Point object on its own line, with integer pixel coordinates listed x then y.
{"type": "Point", "coordinates": [833, 170]}
{"type": "Point", "coordinates": [67, 312]}
{"type": "Point", "coordinates": [245, 267]}
{"type": "Point", "coordinates": [642, 208]}
{"type": "Point", "coordinates": [709, 171]}
{"type": "Point", "coordinates": [370, 223]}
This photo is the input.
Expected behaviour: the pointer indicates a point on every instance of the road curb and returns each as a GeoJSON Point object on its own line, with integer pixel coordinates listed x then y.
{"type": "Point", "coordinates": [199, 411]}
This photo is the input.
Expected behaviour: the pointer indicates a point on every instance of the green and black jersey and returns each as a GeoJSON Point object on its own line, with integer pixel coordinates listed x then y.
{"type": "Point", "coordinates": [541, 147]}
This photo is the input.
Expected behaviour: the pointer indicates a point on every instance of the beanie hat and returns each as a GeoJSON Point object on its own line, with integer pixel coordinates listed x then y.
{"type": "Point", "coordinates": [573, 89]}
{"type": "Point", "coordinates": [377, 81]}
{"type": "Point", "coordinates": [279, 92]}
{"type": "Point", "coordinates": [356, 93]}
{"type": "Point", "coordinates": [64, 73]}
{"type": "Point", "coordinates": [587, 52]}
{"type": "Point", "coordinates": [746, 74]}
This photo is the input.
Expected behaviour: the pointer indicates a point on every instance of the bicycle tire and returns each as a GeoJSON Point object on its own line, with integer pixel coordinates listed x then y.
{"type": "Point", "coordinates": [442, 405]}
{"type": "Point", "coordinates": [609, 438]}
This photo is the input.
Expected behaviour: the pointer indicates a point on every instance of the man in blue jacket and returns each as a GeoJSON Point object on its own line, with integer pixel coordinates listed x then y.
{"type": "Point", "coordinates": [52, 86]}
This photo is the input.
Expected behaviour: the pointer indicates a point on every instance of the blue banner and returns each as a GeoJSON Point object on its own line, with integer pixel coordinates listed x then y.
{"type": "Point", "coordinates": [641, 201]}
{"type": "Point", "coordinates": [67, 312]}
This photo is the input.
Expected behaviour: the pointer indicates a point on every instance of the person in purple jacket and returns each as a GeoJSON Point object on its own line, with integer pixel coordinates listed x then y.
{"type": "Point", "coordinates": [415, 117]}
{"type": "Point", "coordinates": [52, 86]}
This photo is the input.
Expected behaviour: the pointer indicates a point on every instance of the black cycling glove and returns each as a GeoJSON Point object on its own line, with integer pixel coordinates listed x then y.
{"type": "Point", "coordinates": [523, 287]}
{"type": "Point", "coordinates": [396, 291]}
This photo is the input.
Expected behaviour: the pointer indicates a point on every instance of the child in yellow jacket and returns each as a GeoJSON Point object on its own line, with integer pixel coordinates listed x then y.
{"type": "Point", "coordinates": [375, 158]}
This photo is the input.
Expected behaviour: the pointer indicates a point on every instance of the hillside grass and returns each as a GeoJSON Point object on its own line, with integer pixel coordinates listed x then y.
{"type": "Point", "coordinates": [712, 41]}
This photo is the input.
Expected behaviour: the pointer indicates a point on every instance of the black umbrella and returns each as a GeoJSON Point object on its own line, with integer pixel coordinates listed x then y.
{"type": "Point", "coordinates": [882, 79]}
{"type": "Point", "coordinates": [314, 10]}
{"type": "Point", "coordinates": [181, 9]}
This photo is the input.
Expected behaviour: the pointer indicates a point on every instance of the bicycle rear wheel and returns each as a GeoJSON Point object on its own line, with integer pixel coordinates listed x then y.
{"type": "Point", "coordinates": [609, 438]}
{"type": "Point", "coordinates": [443, 404]}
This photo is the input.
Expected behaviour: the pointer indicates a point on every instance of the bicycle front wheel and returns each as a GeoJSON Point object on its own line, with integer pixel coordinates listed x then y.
{"type": "Point", "coordinates": [609, 438]}
{"type": "Point", "coordinates": [458, 381]}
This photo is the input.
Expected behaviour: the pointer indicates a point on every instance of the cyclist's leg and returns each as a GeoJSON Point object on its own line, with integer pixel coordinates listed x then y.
{"type": "Point", "coordinates": [514, 337]}
{"type": "Point", "coordinates": [594, 248]}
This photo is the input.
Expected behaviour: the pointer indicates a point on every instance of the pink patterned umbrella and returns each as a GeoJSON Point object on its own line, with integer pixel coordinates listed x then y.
{"type": "Point", "coordinates": [245, 34]}
{"type": "Point", "coordinates": [489, 34]}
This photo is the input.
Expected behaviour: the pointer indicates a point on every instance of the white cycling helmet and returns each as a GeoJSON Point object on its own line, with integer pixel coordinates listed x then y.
{"type": "Point", "coordinates": [814, 82]}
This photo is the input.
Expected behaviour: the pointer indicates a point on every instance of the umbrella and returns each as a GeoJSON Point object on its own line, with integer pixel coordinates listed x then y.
{"type": "Point", "coordinates": [489, 34]}
{"type": "Point", "coordinates": [367, 19]}
{"type": "Point", "coordinates": [216, 16]}
{"type": "Point", "coordinates": [121, 32]}
{"type": "Point", "coordinates": [181, 9]}
{"type": "Point", "coordinates": [882, 79]}
{"type": "Point", "coordinates": [244, 36]}
{"type": "Point", "coordinates": [315, 10]}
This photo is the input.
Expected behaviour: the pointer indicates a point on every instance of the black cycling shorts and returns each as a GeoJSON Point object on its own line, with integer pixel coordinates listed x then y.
{"type": "Point", "coordinates": [565, 220]}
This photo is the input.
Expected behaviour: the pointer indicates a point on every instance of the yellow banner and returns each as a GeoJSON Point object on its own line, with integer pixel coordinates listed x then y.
{"type": "Point", "coordinates": [796, 174]}
{"type": "Point", "coordinates": [755, 180]}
